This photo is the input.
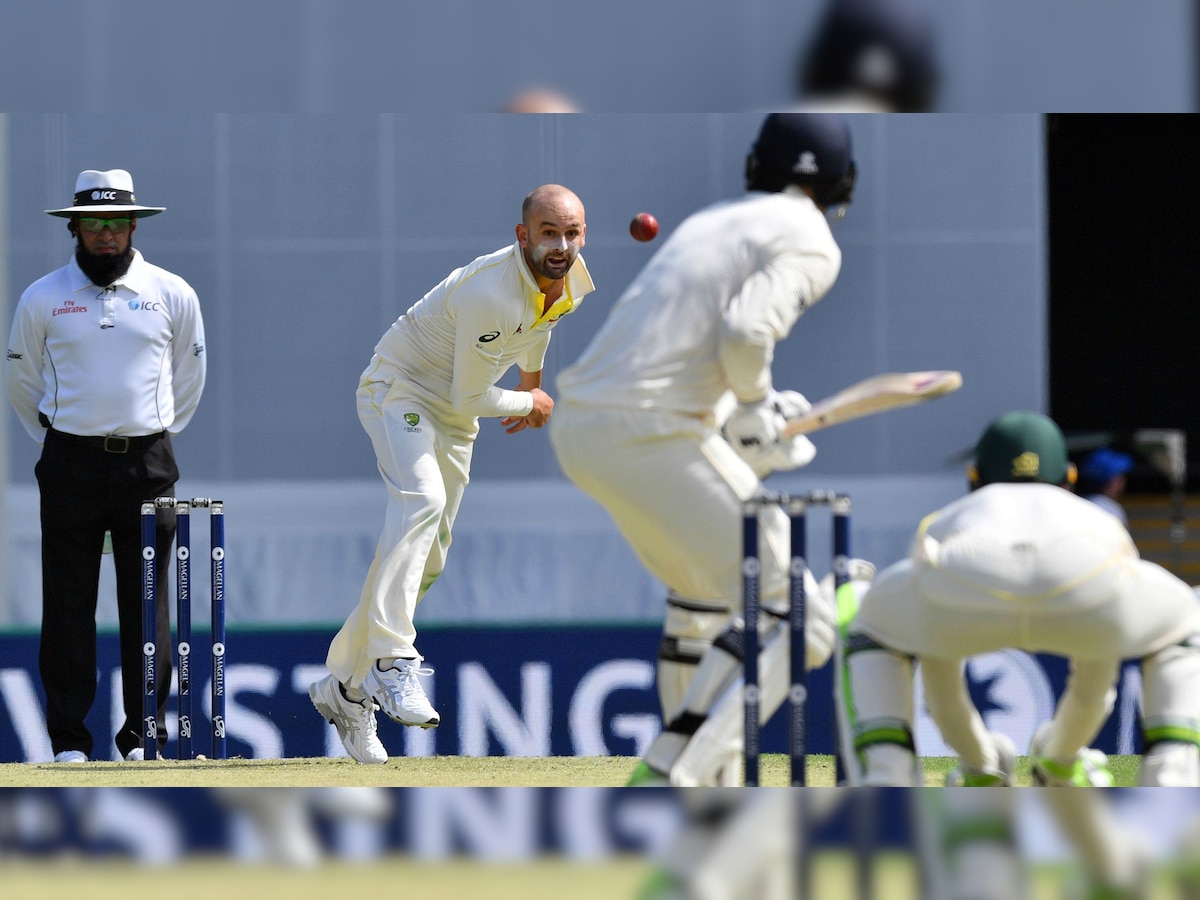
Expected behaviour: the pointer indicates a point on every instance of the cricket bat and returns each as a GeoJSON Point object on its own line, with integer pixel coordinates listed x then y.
{"type": "Point", "coordinates": [880, 393]}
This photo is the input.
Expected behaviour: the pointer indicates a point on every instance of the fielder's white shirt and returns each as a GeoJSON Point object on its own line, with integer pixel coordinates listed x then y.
{"type": "Point", "coordinates": [1022, 543]}
{"type": "Point", "coordinates": [456, 342]}
{"type": "Point", "coordinates": [1032, 567]}
{"type": "Point", "coordinates": [705, 313]}
{"type": "Point", "coordinates": [126, 360]}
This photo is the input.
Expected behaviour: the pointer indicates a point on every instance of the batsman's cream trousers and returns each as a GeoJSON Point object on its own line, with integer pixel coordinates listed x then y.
{"type": "Point", "coordinates": [425, 466]}
{"type": "Point", "coordinates": [674, 488]}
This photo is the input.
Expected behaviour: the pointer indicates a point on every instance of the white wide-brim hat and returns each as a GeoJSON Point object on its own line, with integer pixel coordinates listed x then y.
{"type": "Point", "coordinates": [105, 192]}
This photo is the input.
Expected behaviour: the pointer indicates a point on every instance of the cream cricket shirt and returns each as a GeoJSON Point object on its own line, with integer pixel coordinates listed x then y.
{"type": "Point", "coordinates": [455, 344]}
{"type": "Point", "coordinates": [1032, 567]}
{"type": "Point", "coordinates": [706, 312]}
{"type": "Point", "coordinates": [126, 360]}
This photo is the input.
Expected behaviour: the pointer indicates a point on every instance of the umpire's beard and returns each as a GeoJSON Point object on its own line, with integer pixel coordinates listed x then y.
{"type": "Point", "coordinates": [103, 270]}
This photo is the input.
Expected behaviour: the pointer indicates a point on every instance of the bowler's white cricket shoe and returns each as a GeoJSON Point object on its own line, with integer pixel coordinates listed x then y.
{"type": "Point", "coordinates": [70, 756]}
{"type": "Point", "coordinates": [399, 693]}
{"type": "Point", "coordinates": [355, 722]}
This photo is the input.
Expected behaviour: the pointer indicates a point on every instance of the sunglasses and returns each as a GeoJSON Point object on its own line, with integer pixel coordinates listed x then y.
{"type": "Point", "coordinates": [95, 226]}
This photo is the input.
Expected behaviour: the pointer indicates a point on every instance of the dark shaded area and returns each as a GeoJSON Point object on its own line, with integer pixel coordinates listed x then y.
{"type": "Point", "coordinates": [1124, 310]}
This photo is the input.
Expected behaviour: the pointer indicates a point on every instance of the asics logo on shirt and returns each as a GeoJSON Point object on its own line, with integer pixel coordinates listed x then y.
{"type": "Point", "coordinates": [490, 336]}
{"type": "Point", "coordinates": [13, 354]}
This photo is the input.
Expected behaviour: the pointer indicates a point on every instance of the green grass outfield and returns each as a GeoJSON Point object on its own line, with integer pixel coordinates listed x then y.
{"type": "Point", "coordinates": [619, 878]}
{"type": "Point", "coordinates": [435, 771]}
{"type": "Point", "coordinates": [204, 879]}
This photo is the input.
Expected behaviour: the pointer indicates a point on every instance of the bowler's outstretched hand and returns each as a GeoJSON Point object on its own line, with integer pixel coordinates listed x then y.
{"type": "Point", "coordinates": [543, 405]}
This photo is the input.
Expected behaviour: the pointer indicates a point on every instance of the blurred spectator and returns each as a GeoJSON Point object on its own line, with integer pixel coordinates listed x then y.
{"type": "Point", "coordinates": [871, 55]}
{"type": "Point", "coordinates": [541, 100]}
{"type": "Point", "coordinates": [1102, 479]}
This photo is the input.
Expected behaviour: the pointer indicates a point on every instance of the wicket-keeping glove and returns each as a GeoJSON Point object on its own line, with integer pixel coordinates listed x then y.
{"type": "Point", "coordinates": [753, 430]}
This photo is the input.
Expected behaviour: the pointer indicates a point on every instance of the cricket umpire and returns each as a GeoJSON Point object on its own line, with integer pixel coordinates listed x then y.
{"type": "Point", "coordinates": [105, 362]}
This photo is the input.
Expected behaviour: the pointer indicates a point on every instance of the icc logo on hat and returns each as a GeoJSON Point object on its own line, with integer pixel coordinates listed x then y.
{"type": "Point", "coordinates": [105, 192]}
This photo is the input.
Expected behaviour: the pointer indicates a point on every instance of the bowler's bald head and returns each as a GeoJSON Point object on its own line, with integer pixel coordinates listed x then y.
{"type": "Point", "coordinates": [552, 202]}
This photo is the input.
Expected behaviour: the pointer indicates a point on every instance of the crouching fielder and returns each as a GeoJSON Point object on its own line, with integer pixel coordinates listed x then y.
{"type": "Point", "coordinates": [1022, 563]}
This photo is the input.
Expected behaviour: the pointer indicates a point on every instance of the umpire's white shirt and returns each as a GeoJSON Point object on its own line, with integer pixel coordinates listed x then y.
{"type": "Point", "coordinates": [699, 319]}
{"type": "Point", "coordinates": [126, 360]}
{"type": "Point", "coordinates": [456, 342]}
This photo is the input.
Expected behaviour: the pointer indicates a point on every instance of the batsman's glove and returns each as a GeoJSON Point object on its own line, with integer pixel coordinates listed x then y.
{"type": "Point", "coordinates": [754, 432]}
{"type": "Point", "coordinates": [820, 628]}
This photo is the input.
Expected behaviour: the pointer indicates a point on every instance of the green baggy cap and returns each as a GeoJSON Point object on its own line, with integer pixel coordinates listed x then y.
{"type": "Point", "coordinates": [1022, 446]}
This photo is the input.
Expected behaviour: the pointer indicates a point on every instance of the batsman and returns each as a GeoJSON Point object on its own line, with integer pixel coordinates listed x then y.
{"type": "Point", "coordinates": [670, 417]}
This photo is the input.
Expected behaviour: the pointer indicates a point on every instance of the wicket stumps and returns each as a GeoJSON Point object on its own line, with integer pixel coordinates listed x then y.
{"type": "Point", "coordinates": [796, 507]}
{"type": "Point", "coordinates": [183, 600]}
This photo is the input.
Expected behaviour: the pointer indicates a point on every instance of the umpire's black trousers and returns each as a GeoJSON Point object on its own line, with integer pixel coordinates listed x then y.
{"type": "Point", "coordinates": [88, 486]}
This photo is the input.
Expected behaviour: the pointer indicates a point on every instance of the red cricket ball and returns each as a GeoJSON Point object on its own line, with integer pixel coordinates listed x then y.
{"type": "Point", "coordinates": [644, 227]}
